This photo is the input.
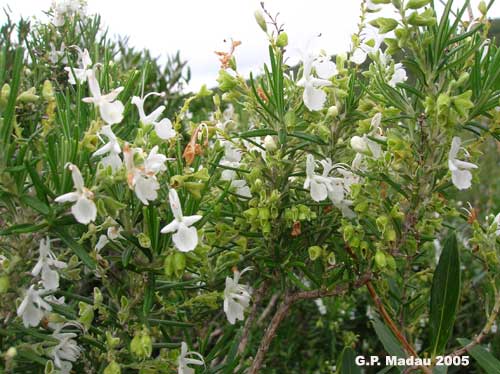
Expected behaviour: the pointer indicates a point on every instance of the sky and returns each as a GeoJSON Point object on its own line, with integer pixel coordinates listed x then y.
{"type": "Point", "coordinates": [199, 27]}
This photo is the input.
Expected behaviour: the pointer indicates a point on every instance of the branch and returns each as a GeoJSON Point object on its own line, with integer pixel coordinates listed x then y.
{"type": "Point", "coordinates": [484, 332]}
{"type": "Point", "coordinates": [284, 308]}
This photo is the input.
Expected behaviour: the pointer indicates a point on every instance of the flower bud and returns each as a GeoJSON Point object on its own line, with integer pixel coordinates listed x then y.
{"type": "Point", "coordinates": [259, 17]}
{"type": "Point", "coordinates": [417, 4]}
{"type": "Point", "coordinates": [483, 8]}
{"type": "Point", "coordinates": [282, 40]}
{"type": "Point", "coordinates": [144, 240]}
{"type": "Point", "coordinates": [269, 143]}
{"type": "Point", "coordinates": [333, 111]}
{"type": "Point", "coordinates": [4, 284]}
{"type": "Point", "coordinates": [112, 368]}
{"type": "Point", "coordinates": [47, 90]}
{"type": "Point", "coordinates": [315, 252]}
{"type": "Point", "coordinates": [4, 96]}
{"type": "Point", "coordinates": [111, 341]}
{"type": "Point", "coordinates": [97, 296]}
{"type": "Point", "coordinates": [359, 145]}
{"type": "Point", "coordinates": [28, 96]}
{"type": "Point", "coordinates": [380, 259]}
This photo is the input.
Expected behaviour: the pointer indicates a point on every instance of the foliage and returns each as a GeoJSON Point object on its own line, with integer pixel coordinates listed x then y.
{"type": "Point", "coordinates": [291, 222]}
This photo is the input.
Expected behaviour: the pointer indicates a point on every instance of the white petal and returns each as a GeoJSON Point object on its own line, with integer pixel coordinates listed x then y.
{"type": "Point", "coordinates": [171, 227]}
{"type": "Point", "coordinates": [175, 204]}
{"type": "Point", "coordinates": [314, 98]}
{"type": "Point", "coordinates": [191, 220]}
{"type": "Point", "coordinates": [112, 112]}
{"type": "Point", "coordinates": [145, 189]}
{"type": "Point", "coordinates": [84, 210]}
{"type": "Point", "coordinates": [50, 278]}
{"type": "Point", "coordinates": [359, 56]}
{"type": "Point", "coordinates": [186, 238]}
{"type": "Point", "coordinates": [318, 191]}
{"type": "Point", "coordinates": [461, 179]}
{"type": "Point", "coordinates": [103, 240]}
{"type": "Point", "coordinates": [164, 129]}
{"type": "Point", "coordinates": [325, 68]}
{"type": "Point", "coordinates": [70, 196]}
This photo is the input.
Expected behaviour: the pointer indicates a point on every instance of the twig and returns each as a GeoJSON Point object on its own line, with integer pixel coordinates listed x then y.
{"type": "Point", "coordinates": [248, 323]}
{"type": "Point", "coordinates": [285, 306]}
{"type": "Point", "coordinates": [268, 308]}
{"type": "Point", "coordinates": [484, 332]}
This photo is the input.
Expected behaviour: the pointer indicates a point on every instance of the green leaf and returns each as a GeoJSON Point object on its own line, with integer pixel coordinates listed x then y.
{"type": "Point", "coordinates": [348, 362]}
{"type": "Point", "coordinates": [389, 341]}
{"type": "Point", "coordinates": [485, 359]}
{"type": "Point", "coordinates": [445, 295]}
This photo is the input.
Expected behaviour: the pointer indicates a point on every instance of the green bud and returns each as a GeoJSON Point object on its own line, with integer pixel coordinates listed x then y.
{"type": "Point", "coordinates": [264, 213]}
{"type": "Point", "coordinates": [417, 4]}
{"type": "Point", "coordinates": [168, 266]}
{"type": "Point", "coordinates": [483, 8]}
{"type": "Point", "coordinates": [47, 90]}
{"type": "Point", "coordinates": [179, 263]}
{"type": "Point", "coordinates": [259, 17]}
{"type": "Point", "coordinates": [28, 96]}
{"type": "Point", "coordinates": [136, 346]}
{"type": "Point", "coordinates": [112, 368]}
{"type": "Point", "coordinates": [4, 96]}
{"type": "Point", "coordinates": [282, 40]}
{"type": "Point", "coordinates": [462, 103]}
{"type": "Point", "coordinates": [194, 188]}
{"type": "Point", "coordinates": [384, 24]}
{"type": "Point", "coordinates": [426, 18]}
{"type": "Point", "coordinates": [111, 341]}
{"type": "Point", "coordinates": [49, 367]}
{"type": "Point", "coordinates": [332, 260]}
{"type": "Point", "coordinates": [380, 259]}
{"type": "Point", "coordinates": [382, 222]}
{"type": "Point", "coordinates": [86, 313]}
{"type": "Point", "coordinates": [315, 252]}
{"type": "Point", "coordinates": [144, 240]}
{"type": "Point", "coordinates": [97, 297]}
{"type": "Point", "coordinates": [226, 81]}
{"type": "Point", "coordinates": [390, 235]}
{"type": "Point", "coordinates": [4, 284]}
{"type": "Point", "coordinates": [333, 111]}
{"type": "Point", "coordinates": [391, 262]}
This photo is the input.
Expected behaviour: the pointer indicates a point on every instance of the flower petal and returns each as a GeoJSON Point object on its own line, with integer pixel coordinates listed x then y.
{"type": "Point", "coordinates": [84, 210]}
{"type": "Point", "coordinates": [186, 238]}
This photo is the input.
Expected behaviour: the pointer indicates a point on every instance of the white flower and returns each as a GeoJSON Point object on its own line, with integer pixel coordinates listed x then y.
{"type": "Point", "coordinates": [46, 262]}
{"type": "Point", "coordinates": [143, 179]}
{"type": "Point", "coordinates": [111, 148]}
{"type": "Point", "coordinates": [84, 210]}
{"type": "Point", "coordinates": [232, 158]}
{"type": "Point", "coordinates": [63, 8]}
{"type": "Point", "coordinates": [32, 307]}
{"type": "Point", "coordinates": [183, 360]}
{"type": "Point", "coordinates": [399, 75]}
{"type": "Point", "coordinates": [321, 306]}
{"type": "Point", "coordinates": [370, 43]}
{"type": "Point", "coordinates": [186, 236]}
{"type": "Point", "coordinates": [314, 97]}
{"type": "Point", "coordinates": [66, 351]}
{"type": "Point", "coordinates": [163, 128]}
{"type": "Point", "coordinates": [317, 184]}
{"type": "Point", "coordinates": [113, 233]}
{"type": "Point", "coordinates": [242, 188]}
{"type": "Point", "coordinates": [236, 297]}
{"type": "Point", "coordinates": [80, 74]}
{"type": "Point", "coordinates": [460, 174]}
{"type": "Point", "coordinates": [55, 56]}
{"type": "Point", "coordinates": [367, 146]}
{"type": "Point", "coordinates": [111, 110]}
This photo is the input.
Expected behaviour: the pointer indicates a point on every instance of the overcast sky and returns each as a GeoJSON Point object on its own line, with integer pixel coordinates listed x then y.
{"type": "Point", "coordinates": [199, 27]}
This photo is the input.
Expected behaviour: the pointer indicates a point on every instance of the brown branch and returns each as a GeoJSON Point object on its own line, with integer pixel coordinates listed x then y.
{"type": "Point", "coordinates": [284, 308]}
{"type": "Point", "coordinates": [484, 332]}
{"type": "Point", "coordinates": [251, 317]}
{"type": "Point", "coordinates": [387, 318]}
{"type": "Point", "coordinates": [269, 308]}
